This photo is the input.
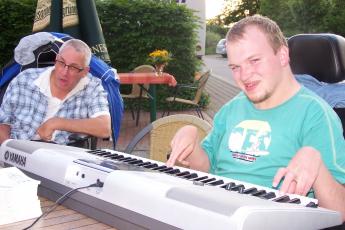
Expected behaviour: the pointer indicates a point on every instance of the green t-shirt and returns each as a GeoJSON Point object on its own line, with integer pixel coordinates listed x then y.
{"type": "Point", "coordinates": [250, 145]}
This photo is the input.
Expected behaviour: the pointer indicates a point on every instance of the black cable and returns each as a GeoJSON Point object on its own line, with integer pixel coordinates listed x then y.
{"type": "Point", "coordinates": [61, 200]}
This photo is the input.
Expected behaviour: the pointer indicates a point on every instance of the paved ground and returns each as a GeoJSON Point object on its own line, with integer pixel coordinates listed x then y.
{"type": "Point", "coordinates": [219, 66]}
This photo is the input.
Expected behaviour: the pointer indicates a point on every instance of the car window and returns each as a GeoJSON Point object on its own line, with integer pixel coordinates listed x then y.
{"type": "Point", "coordinates": [222, 42]}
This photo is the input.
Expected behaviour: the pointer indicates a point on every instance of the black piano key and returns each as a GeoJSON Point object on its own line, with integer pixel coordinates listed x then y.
{"type": "Point", "coordinates": [239, 188]}
{"type": "Point", "coordinates": [131, 160]}
{"type": "Point", "coordinates": [217, 182]}
{"type": "Point", "coordinates": [259, 193]}
{"type": "Point", "coordinates": [311, 205]}
{"type": "Point", "coordinates": [127, 159]}
{"type": "Point", "coordinates": [208, 180]}
{"type": "Point", "coordinates": [174, 171]}
{"type": "Point", "coordinates": [136, 162]}
{"type": "Point", "coordinates": [99, 153]}
{"type": "Point", "coordinates": [109, 155]}
{"type": "Point", "coordinates": [250, 190]}
{"type": "Point", "coordinates": [294, 201]}
{"type": "Point", "coordinates": [124, 158]}
{"type": "Point", "coordinates": [184, 173]}
{"type": "Point", "coordinates": [114, 156]}
{"type": "Point", "coordinates": [165, 169]}
{"type": "Point", "coordinates": [104, 153]}
{"type": "Point", "coordinates": [144, 164]}
{"type": "Point", "coordinates": [228, 186]}
{"type": "Point", "coordinates": [191, 176]}
{"type": "Point", "coordinates": [159, 167]}
{"type": "Point", "coordinates": [200, 178]}
{"type": "Point", "coordinates": [151, 165]}
{"type": "Point", "coordinates": [282, 199]}
{"type": "Point", "coordinates": [119, 157]}
{"type": "Point", "coordinates": [171, 169]}
{"type": "Point", "coordinates": [268, 195]}
{"type": "Point", "coordinates": [94, 151]}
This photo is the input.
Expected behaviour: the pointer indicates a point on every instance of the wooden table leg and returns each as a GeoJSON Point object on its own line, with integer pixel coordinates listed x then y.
{"type": "Point", "coordinates": [153, 105]}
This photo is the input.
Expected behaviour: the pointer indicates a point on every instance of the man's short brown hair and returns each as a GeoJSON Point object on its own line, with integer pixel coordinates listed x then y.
{"type": "Point", "coordinates": [266, 25]}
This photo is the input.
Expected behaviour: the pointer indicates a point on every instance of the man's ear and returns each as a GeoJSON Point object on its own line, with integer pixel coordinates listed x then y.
{"type": "Point", "coordinates": [86, 70]}
{"type": "Point", "coordinates": [284, 57]}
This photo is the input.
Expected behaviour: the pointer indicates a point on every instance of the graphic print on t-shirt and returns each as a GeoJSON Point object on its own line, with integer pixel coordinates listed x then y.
{"type": "Point", "coordinates": [249, 140]}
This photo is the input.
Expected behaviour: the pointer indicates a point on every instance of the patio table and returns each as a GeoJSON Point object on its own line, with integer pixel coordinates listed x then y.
{"type": "Point", "coordinates": [152, 79]}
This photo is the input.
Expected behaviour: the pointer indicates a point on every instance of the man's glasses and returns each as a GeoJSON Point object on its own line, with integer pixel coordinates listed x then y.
{"type": "Point", "coordinates": [70, 68]}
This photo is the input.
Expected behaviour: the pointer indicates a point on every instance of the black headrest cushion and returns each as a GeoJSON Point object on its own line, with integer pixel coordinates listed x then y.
{"type": "Point", "coordinates": [320, 55]}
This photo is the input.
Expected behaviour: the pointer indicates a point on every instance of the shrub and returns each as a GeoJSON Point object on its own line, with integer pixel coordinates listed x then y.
{"type": "Point", "coordinates": [16, 21]}
{"type": "Point", "coordinates": [133, 29]}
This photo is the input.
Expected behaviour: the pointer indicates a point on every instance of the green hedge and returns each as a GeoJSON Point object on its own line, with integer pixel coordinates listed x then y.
{"type": "Point", "coordinates": [16, 21]}
{"type": "Point", "coordinates": [134, 28]}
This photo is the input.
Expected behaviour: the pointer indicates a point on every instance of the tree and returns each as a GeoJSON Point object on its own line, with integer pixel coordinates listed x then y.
{"type": "Point", "coordinates": [299, 16]}
{"type": "Point", "coordinates": [280, 12]}
{"type": "Point", "coordinates": [335, 19]}
{"type": "Point", "coordinates": [232, 14]}
{"type": "Point", "coordinates": [16, 18]}
{"type": "Point", "coordinates": [309, 15]}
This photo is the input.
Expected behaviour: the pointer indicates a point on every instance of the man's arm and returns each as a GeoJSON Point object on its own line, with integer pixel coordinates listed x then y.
{"type": "Point", "coordinates": [4, 132]}
{"type": "Point", "coordinates": [186, 149]}
{"type": "Point", "coordinates": [99, 126]}
{"type": "Point", "coordinates": [329, 192]}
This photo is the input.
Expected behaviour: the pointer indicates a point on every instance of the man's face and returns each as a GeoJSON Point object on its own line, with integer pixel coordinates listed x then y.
{"type": "Point", "coordinates": [256, 69]}
{"type": "Point", "coordinates": [69, 69]}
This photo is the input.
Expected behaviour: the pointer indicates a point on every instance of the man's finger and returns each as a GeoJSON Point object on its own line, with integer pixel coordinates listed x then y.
{"type": "Point", "coordinates": [278, 177]}
{"type": "Point", "coordinates": [175, 154]}
{"type": "Point", "coordinates": [292, 187]}
{"type": "Point", "coordinates": [288, 179]}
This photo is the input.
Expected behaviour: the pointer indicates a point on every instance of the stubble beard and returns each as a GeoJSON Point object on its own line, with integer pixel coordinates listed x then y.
{"type": "Point", "coordinates": [257, 99]}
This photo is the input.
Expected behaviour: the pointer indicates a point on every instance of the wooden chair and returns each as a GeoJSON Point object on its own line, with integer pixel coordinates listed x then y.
{"type": "Point", "coordinates": [138, 92]}
{"type": "Point", "coordinates": [163, 130]}
{"type": "Point", "coordinates": [199, 85]}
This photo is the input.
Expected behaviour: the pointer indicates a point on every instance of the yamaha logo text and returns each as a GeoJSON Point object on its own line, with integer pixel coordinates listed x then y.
{"type": "Point", "coordinates": [15, 158]}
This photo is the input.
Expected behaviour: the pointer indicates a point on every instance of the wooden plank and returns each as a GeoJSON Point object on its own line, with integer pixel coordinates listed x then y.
{"type": "Point", "coordinates": [96, 226]}
{"type": "Point", "coordinates": [220, 93]}
{"type": "Point", "coordinates": [60, 218]}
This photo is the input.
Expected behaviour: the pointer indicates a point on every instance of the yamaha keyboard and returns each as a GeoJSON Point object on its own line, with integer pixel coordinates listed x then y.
{"type": "Point", "coordinates": [144, 194]}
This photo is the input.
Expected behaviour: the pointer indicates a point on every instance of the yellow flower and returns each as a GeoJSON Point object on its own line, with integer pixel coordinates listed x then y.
{"type": "Point", "coordinates": [159, 57]}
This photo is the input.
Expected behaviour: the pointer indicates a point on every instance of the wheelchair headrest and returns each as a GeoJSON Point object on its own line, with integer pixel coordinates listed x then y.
{"type": "Point", "coordinates": [319, 55]}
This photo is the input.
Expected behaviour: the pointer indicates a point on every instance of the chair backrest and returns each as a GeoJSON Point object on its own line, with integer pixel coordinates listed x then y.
{"type": "Point", "coordinates": [319, 55]}
{"type": "Point", "coordinates": [135, 87]}
{"type": "Point", "coordinates": [163, 130]}
{"type": "Point", "coordinates": [201, 85]}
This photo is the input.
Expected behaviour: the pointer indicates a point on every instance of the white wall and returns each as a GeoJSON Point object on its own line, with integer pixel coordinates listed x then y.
{"type": "Point", "coordinates": [199, 7]}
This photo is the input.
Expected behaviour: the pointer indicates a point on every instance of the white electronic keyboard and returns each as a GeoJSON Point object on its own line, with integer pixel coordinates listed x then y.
{"type": "Point", "coordinates": [144, 194]}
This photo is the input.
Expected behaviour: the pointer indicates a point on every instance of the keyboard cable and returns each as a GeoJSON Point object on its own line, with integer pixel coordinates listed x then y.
{"type": "Point", "coordinates": [62, 199]}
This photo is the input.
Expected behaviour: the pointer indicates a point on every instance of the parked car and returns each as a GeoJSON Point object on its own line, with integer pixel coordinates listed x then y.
{"type": "Point", "coordinates": [221, 48]}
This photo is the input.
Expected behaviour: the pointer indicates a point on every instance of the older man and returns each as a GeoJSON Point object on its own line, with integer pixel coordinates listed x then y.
{"type": "Point", "coordinates": [51, 103]}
